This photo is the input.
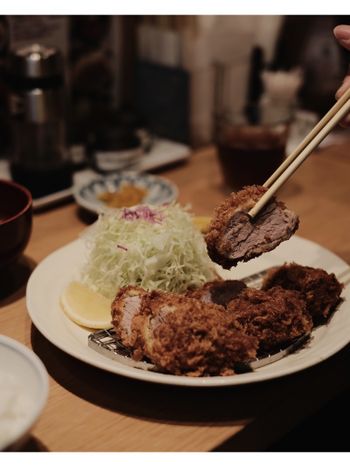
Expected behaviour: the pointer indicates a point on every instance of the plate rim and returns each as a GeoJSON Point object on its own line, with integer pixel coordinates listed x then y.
{"type": "Point", "coordinates": [91, 206]}
{"type": "Point", "coordinates": [162, 378]}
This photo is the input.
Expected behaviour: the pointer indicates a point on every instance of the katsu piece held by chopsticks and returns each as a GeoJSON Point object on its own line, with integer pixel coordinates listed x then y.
{"type": "Point", "coordinates": [233, 236]}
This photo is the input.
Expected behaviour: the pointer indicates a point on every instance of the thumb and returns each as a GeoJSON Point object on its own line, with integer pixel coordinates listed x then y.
{"type": "Point", "coordinates": [342, 34]}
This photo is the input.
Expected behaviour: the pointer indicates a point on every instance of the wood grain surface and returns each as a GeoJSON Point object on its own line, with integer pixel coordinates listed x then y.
{"type": "Point", "coordinates": [91, 410]}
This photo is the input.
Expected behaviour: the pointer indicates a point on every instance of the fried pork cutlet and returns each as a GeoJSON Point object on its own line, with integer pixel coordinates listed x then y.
{"type": "Point", "coordinates": [185, 336]}
{"type": "Point", "coordinates": [126, 305]}
{"type": "Point", "coordinates": [275, 317]}
{"type": "Point", "coordinates": [233, 236]}
{"type": "Point", "coordinates": [320, 290]}
{"type": "Point", "coordinates": [218, 292]}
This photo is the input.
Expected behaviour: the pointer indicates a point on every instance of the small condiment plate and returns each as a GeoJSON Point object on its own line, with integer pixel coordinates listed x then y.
{"type": "Point", "coordinates": [159, 190]}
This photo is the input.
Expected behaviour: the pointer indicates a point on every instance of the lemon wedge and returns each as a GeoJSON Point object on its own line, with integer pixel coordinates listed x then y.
{"type": "Point", "coordinates": [86, 307]}
{"type": "Point", "coordinates": [202, 223]}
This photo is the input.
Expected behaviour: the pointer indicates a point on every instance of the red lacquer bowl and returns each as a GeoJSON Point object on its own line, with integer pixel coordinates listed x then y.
{"type": "Point", "coordinates": [15, 220]}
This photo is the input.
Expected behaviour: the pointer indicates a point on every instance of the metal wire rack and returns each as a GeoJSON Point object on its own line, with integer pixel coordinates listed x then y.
{"type": "Point", "coordinates": [106, 343]}
{"type": "Point", "coordinates": [255, 280]}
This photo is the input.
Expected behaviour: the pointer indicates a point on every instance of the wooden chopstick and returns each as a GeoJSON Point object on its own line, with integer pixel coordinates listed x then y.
{"type": "Point", "coordinates": [312, 140]}
{"type": "Point", "coordinates": [324, 120]}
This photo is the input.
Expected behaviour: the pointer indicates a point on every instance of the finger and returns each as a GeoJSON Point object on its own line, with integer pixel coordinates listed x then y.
{"type": "Point", "coordinates": [345, 85]}
{"type": "Point", "coordinates": [342, 34]}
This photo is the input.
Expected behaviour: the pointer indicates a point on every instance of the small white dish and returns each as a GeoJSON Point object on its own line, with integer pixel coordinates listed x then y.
{"type": "Point", "coordinates": [158, 189]}
{"type": "Point", "coordinates": [23, 392]}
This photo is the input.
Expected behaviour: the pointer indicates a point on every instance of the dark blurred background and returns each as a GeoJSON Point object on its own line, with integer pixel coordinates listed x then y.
{"type": "Point", "coordinates": [158, 71]}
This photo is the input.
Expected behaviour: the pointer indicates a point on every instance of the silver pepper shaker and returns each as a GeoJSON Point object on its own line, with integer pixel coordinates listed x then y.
{"type": "Point", "coordinates": [39, 157]}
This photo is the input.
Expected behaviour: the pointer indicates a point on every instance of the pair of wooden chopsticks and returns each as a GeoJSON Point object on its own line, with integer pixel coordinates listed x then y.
{"type": "Point", "coordinates": [303, 150]}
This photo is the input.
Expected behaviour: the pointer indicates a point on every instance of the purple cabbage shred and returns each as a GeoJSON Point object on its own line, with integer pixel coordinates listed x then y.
{"type": "Point", "coordinates": [142, 213]}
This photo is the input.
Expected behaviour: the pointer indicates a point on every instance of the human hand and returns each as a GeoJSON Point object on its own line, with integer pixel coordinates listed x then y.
{"type": "Point", "coordinates": [342, 34]}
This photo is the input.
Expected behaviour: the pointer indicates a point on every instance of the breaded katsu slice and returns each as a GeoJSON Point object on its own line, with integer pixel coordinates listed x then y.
{"type": "Point", "coordinates": [184, 336]}
{"type": "Point", "coordinates": [233, 236]}
{"type": "Point", "coordinates": [275, 317]}
{"type": "Point", "coordinates": [126, 305]}
{"type": "Point", "coordinates": [218, 292]}
{"type": "Point", "coordinates": [320, 290]}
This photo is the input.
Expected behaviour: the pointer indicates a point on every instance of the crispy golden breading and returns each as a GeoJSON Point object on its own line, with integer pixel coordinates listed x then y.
{"type": "Point", "coordinates": [207, 332]}
{"type": "Point", "coordinates": [320, 290]}
{"type": "Point", "coordinates": [185, 336]}
{"type": "Point", "coordinates": [233, 236]}
{"type": "Point", "coordinates": [243, 200]}
{"type": "Point", "coordinates": [275, 317]}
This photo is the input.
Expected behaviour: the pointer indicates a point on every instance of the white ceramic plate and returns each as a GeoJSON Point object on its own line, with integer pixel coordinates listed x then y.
{"type": "Point", "coordinates": [159, 190]}
{"type": "Point", "coordinates": [57, 270]}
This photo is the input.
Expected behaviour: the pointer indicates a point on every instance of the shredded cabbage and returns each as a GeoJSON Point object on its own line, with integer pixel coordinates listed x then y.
{"type": "Point", "coordinates": [152, 247]}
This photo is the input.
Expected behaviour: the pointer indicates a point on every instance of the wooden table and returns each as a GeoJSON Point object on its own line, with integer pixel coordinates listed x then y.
{"type": "Point", "coordinates": [92, 410]}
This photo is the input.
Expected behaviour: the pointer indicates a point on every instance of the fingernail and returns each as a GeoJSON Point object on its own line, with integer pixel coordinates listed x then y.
{"type": "Point", "coordinates": [342, 32]}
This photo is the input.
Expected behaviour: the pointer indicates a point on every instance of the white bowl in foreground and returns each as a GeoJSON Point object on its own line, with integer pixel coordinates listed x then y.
{"type": "Point", "coordinates": [23, 392]}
